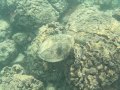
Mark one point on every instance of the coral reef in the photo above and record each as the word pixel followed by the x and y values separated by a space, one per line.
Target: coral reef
pixel 59 44
pixel 5 30
pixel 96 49
pixel 59 5
pixel 103 3
pixel 107 4
pixel 20 38
pixel 116 14
pixel 34 13
pixel 13 78
pixel 31 13
pixel 7 7
pixel 7 51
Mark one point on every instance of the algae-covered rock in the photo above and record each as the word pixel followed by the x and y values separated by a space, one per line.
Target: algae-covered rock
pixel 7 7
pixel 50 87
pixel 7 51
pixel 28 14
pixel 90 19
pixel 104 4
pixel 21 82
pixel 95 65
pixel 80 17
pixel 4 30
pixel 13 78
pixel 20 38
pixel 116 14
pixel 32 14
pixel 9 71
pixel 107 4
pixel 19 59
pixel 96 50
pixel 7 3
pixel 83 55
pixel 59 5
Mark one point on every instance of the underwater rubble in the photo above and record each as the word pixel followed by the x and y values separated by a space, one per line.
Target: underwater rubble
pixel 59 44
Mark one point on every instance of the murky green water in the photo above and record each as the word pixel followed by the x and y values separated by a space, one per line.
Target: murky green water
pixel 59 44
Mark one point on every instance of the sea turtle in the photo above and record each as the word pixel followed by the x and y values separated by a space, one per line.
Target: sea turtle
pixel 56 48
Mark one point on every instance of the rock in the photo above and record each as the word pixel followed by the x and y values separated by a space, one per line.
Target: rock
pixel 5 30
pixel 7 51
pixel 33 14
pixel 20 38
pixel 13 78
pixel 50 87
pixel 60 5
pixel 96 49
pixel 116 14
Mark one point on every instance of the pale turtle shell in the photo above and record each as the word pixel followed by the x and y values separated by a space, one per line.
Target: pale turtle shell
pixel 56 48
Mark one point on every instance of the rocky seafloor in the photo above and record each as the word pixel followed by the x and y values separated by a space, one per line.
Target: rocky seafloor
pixel 59 44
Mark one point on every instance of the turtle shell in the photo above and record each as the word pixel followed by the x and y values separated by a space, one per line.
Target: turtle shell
pixel 56 48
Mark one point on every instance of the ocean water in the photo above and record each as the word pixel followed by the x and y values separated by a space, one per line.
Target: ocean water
pixel 59 44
